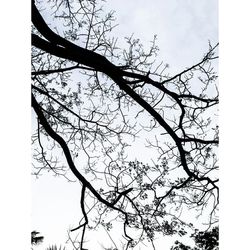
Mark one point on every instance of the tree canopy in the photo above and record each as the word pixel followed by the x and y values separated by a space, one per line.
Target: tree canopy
pixel 94 100
pixel 207 240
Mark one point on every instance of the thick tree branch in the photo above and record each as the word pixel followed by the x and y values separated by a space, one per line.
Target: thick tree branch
pixel 173 104
pixel 60 70
pixel 67 154
pixel 88 58
pixel 61 47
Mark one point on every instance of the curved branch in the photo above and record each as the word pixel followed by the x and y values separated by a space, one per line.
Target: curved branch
pixel 62 143
pixel 60 70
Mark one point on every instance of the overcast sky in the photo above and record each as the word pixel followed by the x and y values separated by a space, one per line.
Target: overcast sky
pixel 183 28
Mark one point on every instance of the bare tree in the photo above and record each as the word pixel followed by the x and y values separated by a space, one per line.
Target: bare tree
pixel 93 99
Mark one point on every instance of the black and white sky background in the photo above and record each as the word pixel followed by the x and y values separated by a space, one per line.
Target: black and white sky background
pixel 15 129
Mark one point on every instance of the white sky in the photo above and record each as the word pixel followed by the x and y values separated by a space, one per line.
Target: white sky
pixel 183 27
pixel 14 191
